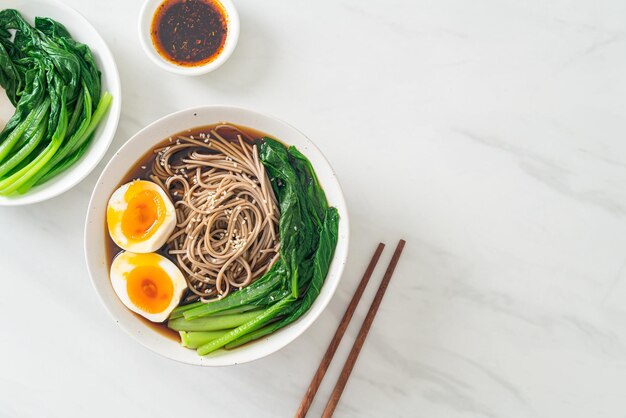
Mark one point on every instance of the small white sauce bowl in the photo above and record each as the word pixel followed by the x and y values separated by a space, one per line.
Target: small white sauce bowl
pixel 232 36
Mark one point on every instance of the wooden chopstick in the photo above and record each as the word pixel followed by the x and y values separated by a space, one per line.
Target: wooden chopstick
pixel 341 329
pixel 360 339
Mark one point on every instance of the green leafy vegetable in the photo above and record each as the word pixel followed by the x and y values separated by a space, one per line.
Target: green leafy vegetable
pixel 308 231
pixel 54 84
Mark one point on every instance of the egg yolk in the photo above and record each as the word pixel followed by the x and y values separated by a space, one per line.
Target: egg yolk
pixel 144 213
pixel 149 288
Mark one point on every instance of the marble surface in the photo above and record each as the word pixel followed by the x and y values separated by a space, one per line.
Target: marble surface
pixel 488 134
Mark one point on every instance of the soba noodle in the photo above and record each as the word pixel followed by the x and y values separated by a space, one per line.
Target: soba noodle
pixel 227 215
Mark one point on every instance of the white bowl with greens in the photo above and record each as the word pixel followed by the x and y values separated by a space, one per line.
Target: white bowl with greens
pixel 58 114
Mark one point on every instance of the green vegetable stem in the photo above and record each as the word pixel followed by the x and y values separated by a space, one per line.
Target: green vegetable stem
pixel 194 339
pixel 211 323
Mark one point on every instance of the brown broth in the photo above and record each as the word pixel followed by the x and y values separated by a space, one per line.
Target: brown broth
pixel 142 170
pixel 189 33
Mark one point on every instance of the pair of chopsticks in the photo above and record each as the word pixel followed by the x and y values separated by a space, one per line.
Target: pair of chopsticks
pixel 341 329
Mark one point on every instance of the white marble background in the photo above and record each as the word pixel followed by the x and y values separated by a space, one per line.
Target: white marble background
pixel 488 134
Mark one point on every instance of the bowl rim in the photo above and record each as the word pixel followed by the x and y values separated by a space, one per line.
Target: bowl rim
pixel 45 191
pixel 146 14
pixel 306 320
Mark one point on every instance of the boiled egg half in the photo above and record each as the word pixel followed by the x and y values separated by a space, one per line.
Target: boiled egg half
pixel 140 216
pixel 148 284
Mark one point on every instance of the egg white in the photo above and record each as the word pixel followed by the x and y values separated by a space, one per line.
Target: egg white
pixel 123 264
pixel 118 203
